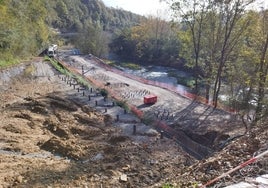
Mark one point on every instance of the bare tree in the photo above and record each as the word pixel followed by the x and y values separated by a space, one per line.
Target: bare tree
pixel 192 14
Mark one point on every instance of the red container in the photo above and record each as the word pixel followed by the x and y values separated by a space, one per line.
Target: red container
pixel 150 99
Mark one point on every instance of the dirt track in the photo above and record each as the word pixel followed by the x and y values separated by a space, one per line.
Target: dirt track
pixel 193 118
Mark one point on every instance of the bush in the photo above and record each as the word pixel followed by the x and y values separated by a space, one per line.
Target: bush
pixel 104 92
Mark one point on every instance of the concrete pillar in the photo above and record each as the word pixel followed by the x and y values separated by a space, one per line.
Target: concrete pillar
pixel 134 130
pixel 161 134
pixel 117 117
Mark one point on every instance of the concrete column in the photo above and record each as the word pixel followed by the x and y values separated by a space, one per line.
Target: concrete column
pixel 117 117
pixel 161 134
pixel 134 130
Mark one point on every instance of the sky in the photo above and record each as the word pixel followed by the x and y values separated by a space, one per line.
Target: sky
pixel 153 7
pixel 142 7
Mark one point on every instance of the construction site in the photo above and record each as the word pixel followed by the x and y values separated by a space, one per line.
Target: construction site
pixel 97 126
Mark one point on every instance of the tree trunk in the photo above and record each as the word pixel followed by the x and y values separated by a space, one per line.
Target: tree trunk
pixel 262 81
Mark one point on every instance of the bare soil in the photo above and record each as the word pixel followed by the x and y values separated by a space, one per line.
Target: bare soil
pixel 52 136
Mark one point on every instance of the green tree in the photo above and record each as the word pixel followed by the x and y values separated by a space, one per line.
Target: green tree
pixel 24 31
pixel 92 39
pixel 152 41
pixel 193 18
pixel 262 109
pixel 215 28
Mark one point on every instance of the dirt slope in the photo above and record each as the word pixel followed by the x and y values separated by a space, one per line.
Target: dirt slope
pixel 51 137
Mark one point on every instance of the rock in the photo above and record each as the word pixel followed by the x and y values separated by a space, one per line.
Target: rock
pixel 151 133
pixel 126 168
pixel 98 157
pixel 123 178
pixel 263 179
pixel 19 179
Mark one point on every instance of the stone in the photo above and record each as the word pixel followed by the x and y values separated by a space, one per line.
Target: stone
pixel 19 179
pixel 123 178
pixel 126 168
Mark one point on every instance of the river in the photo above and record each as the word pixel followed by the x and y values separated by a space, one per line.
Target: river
pixel 160 74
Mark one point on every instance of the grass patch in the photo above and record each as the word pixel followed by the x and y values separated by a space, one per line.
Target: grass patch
pixel 82 81
pixel 64 71
pixel 128 65
pixel 111 63
pixel 131 66
pixel 29 71
pixel 122 104
pixel 4 64
pixel 58 66
pixel 167 185
pixel 182 80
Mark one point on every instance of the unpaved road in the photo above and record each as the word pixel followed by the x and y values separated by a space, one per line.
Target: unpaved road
pixel 195 119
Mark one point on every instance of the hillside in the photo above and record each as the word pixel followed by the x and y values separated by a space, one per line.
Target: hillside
pixel 71 16
pixel 28 27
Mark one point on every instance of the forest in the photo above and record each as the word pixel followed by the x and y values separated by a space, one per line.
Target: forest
pixel 28 27
pixel 223 43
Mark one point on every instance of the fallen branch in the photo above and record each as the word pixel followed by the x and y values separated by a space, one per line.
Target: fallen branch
pixel 252 160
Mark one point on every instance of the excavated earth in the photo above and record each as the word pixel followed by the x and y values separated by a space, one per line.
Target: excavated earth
pixel 53 136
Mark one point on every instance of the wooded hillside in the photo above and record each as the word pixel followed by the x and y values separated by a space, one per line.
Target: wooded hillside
pixel 26 26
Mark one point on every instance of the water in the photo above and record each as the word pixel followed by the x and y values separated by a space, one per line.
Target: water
pixel 160 74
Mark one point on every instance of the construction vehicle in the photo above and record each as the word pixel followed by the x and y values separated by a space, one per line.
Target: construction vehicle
pixel 52 50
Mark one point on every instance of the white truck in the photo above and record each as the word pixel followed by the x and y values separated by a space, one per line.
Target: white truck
pixel 52 50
